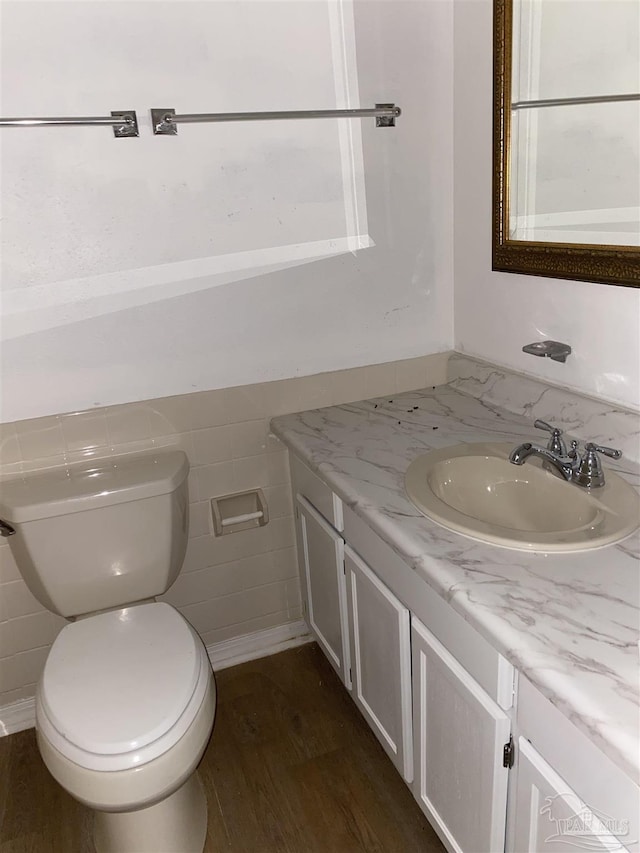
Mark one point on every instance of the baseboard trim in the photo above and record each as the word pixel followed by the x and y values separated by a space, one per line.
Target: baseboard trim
pixel 18 716
pixel 260 644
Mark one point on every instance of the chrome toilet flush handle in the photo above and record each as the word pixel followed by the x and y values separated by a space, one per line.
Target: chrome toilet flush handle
pixel 6 529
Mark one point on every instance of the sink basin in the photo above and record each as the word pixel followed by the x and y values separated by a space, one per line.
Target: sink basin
pixel 473 489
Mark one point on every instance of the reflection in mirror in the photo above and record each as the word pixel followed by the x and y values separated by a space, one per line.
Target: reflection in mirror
pixel 575 127
pixel 567 139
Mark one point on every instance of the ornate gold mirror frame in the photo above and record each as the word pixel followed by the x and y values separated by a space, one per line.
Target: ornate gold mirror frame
pixel 599 263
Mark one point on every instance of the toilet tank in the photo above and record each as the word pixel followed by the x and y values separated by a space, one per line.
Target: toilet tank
pixel 105 534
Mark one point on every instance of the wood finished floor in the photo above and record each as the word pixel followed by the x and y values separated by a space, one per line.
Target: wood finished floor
pixel 291 767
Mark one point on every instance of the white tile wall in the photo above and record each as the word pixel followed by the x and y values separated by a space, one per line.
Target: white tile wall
pixel 228 586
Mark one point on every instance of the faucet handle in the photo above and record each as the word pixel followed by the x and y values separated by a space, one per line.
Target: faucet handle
pixel 611 452
pixel 589 472
pixel 556 442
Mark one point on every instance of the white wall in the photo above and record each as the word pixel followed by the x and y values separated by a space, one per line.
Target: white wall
pixel 497 313
pixel 164 323
pixel 135 269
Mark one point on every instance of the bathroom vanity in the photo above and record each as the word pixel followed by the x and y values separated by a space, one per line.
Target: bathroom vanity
pixel 502 684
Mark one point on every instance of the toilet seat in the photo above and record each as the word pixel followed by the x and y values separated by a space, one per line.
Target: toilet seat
pixel 121 688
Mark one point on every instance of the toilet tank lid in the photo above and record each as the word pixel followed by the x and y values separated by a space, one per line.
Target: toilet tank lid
pixel 91 485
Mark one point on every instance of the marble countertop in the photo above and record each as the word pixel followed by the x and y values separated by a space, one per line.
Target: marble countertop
pixel 569 622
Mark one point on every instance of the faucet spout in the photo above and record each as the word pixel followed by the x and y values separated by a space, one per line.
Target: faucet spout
pixel 563 464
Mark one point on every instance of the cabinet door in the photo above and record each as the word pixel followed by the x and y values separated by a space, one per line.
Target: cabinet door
pixel 550 818
pixel 379 635
pixel 322 554
pixel 459 736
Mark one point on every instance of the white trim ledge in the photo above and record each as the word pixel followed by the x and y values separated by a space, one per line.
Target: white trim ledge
pixel 18 716
pixel 22 715
pixel 260 644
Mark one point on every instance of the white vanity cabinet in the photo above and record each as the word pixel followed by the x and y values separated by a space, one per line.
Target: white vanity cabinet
pixel 494 765
pixel 380 660
pixel 459 736
pixel 432 696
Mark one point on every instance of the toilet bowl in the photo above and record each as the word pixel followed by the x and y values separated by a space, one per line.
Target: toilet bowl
pixel 126 701
pixel 124 711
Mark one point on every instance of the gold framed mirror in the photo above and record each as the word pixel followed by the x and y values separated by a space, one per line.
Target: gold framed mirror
pixel 534 231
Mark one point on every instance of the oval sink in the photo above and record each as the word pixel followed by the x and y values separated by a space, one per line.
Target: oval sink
pixel 473 489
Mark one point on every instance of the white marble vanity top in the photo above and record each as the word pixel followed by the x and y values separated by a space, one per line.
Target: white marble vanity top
pixel 569 622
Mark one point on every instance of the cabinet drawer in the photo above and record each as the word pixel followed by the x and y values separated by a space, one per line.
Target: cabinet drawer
pixel 492 671
pixel 311 487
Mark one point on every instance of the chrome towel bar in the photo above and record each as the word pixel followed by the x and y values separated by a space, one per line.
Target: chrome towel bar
pixel 165 121
pixel 565 102
pixel 123 122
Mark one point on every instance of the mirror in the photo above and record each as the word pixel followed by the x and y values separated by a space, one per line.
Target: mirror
pixel 566 183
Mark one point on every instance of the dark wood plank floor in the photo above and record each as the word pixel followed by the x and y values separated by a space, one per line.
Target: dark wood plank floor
pixel 291 768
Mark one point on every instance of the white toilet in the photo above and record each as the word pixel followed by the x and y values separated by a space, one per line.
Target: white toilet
pixel 126 702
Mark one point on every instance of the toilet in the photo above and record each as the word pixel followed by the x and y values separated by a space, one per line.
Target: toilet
pixel 126 702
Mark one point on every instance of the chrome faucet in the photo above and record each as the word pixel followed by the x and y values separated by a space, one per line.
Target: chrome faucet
pixel 563 464
pixel 583 470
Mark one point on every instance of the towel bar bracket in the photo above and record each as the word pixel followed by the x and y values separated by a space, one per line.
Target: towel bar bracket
pixel 161 124
pixel 129 126
pixel 386 121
